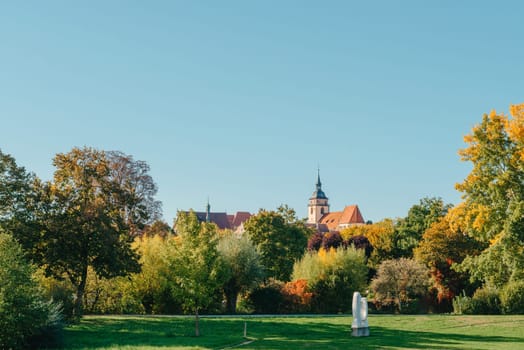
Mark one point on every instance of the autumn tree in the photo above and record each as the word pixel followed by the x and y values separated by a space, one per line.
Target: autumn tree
pixel 194 264
pixel 315 241
pixel 440 249
pixel 85 221
pixel 332 240
pixel 135 191
pixel 361 242
pixel 243 267
pixel 280 238
pixel 492 210
pixel 399 280
pixel 381 236
pixel 158 228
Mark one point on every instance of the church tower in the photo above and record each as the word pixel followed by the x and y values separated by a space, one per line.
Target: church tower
pixel 318 204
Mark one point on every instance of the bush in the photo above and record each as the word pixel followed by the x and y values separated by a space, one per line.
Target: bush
pixel 315 241
pixel 462 305
pixel 332 240
pixel 25 316
pixel 485 301
pixel 512 298
pixel 61 292
pixel 267 298
pixel 332 276
pixel 400 281
pixel 361 242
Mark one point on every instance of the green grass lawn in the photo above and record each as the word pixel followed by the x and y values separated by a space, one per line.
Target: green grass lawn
pixel 387 332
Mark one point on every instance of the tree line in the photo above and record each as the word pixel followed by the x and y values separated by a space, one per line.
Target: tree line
pixel 91 240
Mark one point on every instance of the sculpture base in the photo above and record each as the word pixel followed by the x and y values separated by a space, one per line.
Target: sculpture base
pixel 360 331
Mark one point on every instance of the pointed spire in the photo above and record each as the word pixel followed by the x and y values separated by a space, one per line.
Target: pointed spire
pixel 208 211
pixel 319 184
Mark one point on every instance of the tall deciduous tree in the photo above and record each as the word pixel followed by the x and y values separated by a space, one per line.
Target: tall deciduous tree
pixel 135 191
pixel 85 222
pixel 440 249
pixel 493 193
pixel 15 187
pixel 243 266
pixel 419 218
pixel 281 239
pixel 400 280
pixel 194 264
pixel 18 198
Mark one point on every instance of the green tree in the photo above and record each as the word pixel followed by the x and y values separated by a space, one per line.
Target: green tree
pixel 194 264
pixel 82 222
pixel 409 230
pixel 243 266
pixel 280 238
pixel 493 207
pixel 24 314
pixel 18 199
pixel 153 285
pixel 332 276
pixel 400 280
pixel 15 188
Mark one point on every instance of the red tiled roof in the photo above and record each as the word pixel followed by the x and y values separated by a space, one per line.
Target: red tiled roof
pixel 240 218
pixel 331 219
pixel 350 215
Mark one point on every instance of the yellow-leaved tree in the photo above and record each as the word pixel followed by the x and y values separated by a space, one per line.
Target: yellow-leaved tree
pixel 492 210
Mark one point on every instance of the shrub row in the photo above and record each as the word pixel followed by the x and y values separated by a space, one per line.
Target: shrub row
pixel 489 300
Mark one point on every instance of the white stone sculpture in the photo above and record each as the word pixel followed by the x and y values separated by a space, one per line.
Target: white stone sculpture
pixel 359 327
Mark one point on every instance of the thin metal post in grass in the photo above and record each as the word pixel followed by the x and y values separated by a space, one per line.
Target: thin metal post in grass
pixel 245 329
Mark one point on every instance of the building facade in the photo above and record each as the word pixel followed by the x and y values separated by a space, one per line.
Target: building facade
pixel 323 220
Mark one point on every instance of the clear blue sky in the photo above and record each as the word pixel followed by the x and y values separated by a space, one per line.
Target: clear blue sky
pixel 240 100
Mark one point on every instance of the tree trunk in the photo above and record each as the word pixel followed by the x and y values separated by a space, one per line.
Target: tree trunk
pixel 80 290
pixel 197 325
pixel 231 301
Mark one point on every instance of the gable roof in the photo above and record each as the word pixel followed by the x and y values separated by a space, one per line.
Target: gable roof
pixel 220 219
pixel 349 216
pixel 223 220
pixel 331 219
pixel 240 218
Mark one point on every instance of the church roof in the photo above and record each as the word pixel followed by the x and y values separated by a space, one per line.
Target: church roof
pixel 350 215
pixel 220 219
pixel 223 220
pixel 240 217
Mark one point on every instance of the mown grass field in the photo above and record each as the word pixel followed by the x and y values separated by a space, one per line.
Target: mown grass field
pixel 329 332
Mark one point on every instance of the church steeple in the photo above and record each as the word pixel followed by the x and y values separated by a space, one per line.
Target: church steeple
pixel 318 203
pixel 208 211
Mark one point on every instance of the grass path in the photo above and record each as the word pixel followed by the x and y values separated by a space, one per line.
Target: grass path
pixel 326 332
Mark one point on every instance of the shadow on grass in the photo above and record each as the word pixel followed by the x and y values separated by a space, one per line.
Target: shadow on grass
pixel 328 336
pixel 217 333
